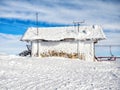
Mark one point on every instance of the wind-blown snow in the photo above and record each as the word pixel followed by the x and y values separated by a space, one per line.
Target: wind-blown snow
pixel 25 73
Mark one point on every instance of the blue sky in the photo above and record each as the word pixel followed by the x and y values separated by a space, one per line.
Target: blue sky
pixel 17 15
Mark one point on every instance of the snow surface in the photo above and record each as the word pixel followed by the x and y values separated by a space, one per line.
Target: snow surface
pixel 25 73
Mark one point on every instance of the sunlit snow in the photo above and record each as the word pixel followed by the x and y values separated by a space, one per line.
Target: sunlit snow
pixel 25 73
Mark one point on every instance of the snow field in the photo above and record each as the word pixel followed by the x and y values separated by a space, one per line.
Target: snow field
pixel 25 73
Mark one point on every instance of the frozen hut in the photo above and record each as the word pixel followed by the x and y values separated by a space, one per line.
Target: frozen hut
pixel 71 42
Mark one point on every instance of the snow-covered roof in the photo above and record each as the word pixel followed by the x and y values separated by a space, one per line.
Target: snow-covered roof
pixel 60 33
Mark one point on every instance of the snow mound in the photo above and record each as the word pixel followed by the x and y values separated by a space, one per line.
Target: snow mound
pixel 25 73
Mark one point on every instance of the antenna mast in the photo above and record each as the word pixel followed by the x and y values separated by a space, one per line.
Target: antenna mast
pixel 37 34
pixel 37 23
pixel 78 24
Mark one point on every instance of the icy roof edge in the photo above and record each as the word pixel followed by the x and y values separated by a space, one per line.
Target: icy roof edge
pixel 34 37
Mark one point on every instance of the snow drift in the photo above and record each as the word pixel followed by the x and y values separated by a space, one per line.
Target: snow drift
pixel 24 73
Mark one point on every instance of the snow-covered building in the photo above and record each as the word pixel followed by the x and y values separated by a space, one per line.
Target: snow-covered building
pixel 71 41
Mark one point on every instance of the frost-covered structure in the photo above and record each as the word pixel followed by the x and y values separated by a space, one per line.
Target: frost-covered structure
pixel 71 41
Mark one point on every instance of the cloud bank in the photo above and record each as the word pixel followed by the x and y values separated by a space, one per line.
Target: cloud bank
pixel 102 12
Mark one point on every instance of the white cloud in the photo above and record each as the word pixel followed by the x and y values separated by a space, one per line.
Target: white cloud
pixel 11 44
pixel 112 26
pixel 58 11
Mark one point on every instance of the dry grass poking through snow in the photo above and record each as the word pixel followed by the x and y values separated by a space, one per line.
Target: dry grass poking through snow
pixel 63 54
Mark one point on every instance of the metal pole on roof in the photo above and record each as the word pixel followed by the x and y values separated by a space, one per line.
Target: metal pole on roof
pixel 78 24
pixel 37 34
pixel 37 23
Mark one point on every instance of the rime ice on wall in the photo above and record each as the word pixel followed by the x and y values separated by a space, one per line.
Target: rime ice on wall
pixel 85 48
pixel 64 39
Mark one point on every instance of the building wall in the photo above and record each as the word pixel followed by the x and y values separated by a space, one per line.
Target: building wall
pixel 89 50
pixel 84 48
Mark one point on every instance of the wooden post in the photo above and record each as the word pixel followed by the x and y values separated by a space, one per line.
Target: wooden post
pixel 31 49
pixel 78 49
pixel 38 54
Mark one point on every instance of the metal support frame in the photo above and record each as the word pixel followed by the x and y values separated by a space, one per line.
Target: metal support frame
pixel 107 58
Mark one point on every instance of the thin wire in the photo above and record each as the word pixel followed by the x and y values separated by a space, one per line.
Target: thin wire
pixel 107 45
